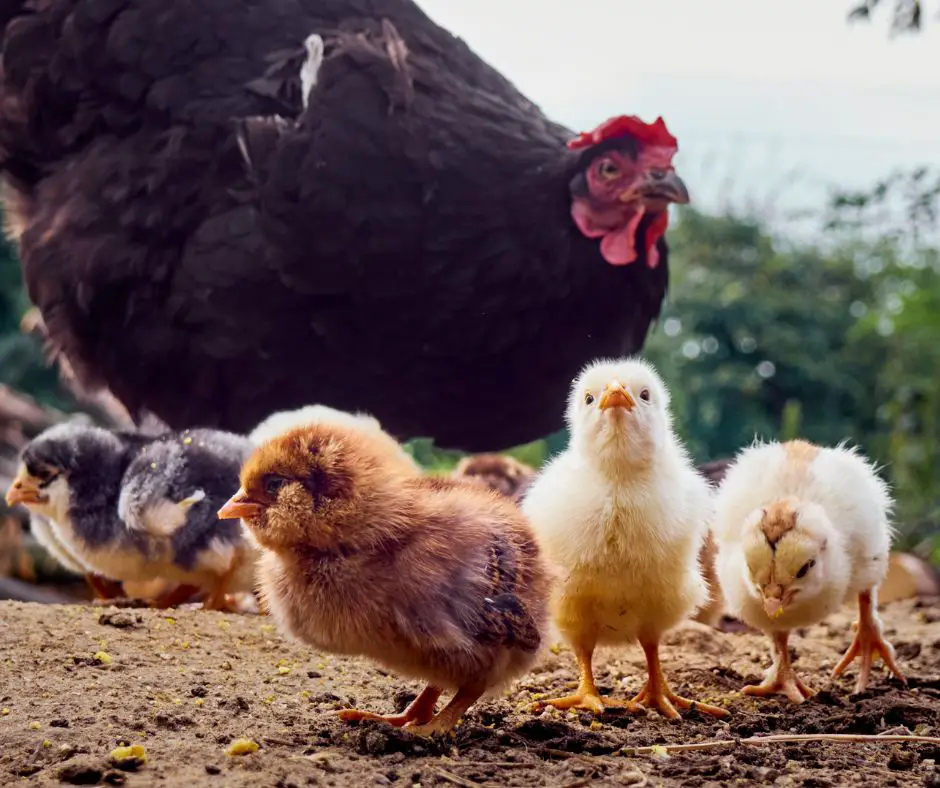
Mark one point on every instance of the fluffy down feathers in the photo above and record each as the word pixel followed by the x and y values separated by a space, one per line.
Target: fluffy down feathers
pixel 429 577
pixel 826 505
pixel 624 512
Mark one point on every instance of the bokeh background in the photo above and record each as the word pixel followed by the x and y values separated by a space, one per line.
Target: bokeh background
pixel 805 292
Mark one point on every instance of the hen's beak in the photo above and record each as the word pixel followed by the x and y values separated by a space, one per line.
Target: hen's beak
pixel 24 490
pixel 616 396
pixel 239 505
pixel 665 185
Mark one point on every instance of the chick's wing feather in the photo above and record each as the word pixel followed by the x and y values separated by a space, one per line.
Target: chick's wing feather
pixel 504 618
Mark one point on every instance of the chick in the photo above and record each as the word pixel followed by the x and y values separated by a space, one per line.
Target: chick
pixel 800 529
pixel 624 513
pixel 84 480
pixel 283 421
pixel 171 492
pixel 41 486
pixel 430 577
pixel 504 474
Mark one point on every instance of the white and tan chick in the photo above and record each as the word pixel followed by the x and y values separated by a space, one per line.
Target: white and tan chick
pixel 623 513
pixel 801 529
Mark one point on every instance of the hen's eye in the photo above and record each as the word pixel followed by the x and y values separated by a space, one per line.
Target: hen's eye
pixel 606 169
pixel 804 569
pixel 645 395
pixel 588 399
pixel 273 485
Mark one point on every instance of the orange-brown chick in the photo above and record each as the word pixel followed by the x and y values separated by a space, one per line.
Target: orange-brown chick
pixel 506 475
pixel 433 578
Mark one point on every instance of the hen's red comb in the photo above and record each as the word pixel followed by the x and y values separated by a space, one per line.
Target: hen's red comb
pixel 654 133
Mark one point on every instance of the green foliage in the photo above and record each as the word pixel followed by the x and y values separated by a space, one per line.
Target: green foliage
pixel 22 365
pixel 834 342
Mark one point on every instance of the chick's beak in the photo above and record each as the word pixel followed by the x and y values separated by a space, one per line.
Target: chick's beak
pixel 776 598
pixel 616 396
pixel 773 607
pixel 239 505
pixel 24 490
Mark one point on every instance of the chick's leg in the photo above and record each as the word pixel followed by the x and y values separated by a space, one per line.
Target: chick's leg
pixel 104 588
pixel 175 596
pixel 658 693
pixel 868 643
pixel 781 678
pixel 450 715
pixel 218 598
pixel 587 695
pixel 419 711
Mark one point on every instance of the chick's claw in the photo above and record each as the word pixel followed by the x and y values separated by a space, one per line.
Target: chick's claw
pixel 419 711
pixel 589 701
pixel 787 684
pixel 866 645
pixel 664 700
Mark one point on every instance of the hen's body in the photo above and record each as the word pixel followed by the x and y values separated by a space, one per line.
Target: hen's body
pixel 408 244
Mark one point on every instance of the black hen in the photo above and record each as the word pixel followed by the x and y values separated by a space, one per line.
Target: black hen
pixel 419 243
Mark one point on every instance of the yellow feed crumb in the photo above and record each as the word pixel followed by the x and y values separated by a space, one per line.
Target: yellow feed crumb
pixel 187 440
pixel 4 712
pixel 103 657
pixel 241 747
pixel 34 726
pixel 126 756
pixel 283 670
pixel 659 752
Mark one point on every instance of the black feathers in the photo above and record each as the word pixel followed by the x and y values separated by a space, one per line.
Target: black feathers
pixel 402 246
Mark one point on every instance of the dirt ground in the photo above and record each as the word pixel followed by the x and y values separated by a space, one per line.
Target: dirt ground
pixel 186 683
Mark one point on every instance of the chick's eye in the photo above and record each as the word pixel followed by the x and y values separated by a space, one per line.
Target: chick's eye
pixel 606 169
pixel 588 399
pixel 645 395
pixel 273 485
pixel 804 569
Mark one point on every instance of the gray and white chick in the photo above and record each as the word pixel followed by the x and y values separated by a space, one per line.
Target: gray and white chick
pixel 73 475
pixel 171 492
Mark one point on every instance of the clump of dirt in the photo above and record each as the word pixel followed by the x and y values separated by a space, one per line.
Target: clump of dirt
pixel 76 682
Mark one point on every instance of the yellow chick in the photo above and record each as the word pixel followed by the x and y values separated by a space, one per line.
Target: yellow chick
pixel 800 529
pixel 623 514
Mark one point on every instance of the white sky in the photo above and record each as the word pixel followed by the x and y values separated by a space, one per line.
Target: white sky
pixel 753 89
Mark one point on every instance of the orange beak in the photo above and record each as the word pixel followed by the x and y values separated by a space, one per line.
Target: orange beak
pixel 773 607
pixel 616 396
pixel 239 505
pixel 24 490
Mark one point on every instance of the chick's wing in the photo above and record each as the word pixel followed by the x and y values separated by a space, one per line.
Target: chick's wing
pixel 504 619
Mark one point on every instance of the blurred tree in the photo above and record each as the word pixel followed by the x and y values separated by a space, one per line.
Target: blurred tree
pixel 755 338
pixel 908 16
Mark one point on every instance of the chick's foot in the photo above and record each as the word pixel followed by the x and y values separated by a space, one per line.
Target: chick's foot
pixel 781 678
pixel 658 694
pixel 450 715
pixel 588 699
pixel 868 643
pixel 419 711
